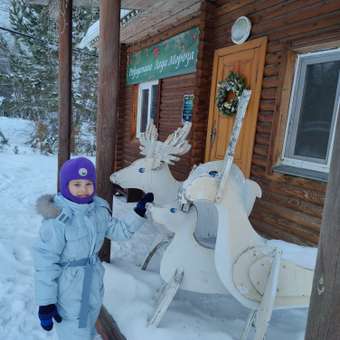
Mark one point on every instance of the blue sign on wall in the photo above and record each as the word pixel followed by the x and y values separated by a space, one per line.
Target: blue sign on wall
pixel 188 103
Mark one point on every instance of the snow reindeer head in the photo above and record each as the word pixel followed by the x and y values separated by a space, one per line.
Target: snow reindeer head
pixel 164 152
pixel 151 173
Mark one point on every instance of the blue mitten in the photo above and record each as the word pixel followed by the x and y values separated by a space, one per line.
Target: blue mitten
pixel 140 207
pixel 46 313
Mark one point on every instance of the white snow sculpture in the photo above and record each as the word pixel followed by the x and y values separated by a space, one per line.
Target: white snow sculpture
pixel 185 252
pixel 151 173
pixel 207 177
pixel 188 262
pixel 251 268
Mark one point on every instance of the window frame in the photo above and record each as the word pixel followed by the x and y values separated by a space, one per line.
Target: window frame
pixel 290 136
pixel 143 86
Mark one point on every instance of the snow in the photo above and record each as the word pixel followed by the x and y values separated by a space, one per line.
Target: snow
pixel 302 256
pixel 129 292
pixel 5 21
pixel 92 33
pixel 4 13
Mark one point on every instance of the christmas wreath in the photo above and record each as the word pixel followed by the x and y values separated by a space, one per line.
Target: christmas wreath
pixel 229 92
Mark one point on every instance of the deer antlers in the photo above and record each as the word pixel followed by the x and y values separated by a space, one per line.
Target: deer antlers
pixel 175 144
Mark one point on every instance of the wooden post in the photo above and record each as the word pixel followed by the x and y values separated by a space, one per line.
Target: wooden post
pixel 108 87
pixel 324 311
pixel 65 80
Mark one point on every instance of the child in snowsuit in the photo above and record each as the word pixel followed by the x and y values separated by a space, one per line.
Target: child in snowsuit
pixel 68 273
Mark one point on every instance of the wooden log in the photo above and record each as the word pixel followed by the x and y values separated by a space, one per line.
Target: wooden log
pixel 264 212
pixel 300 192
pixel 302 219
pixel 273 58
pixel 65 81
pixel 318 39
pixel 280 233
pixel 271 70
pixel 233 9
pixel 259 160
pixel 268 93
pixel 274 46
pixel 264 127
pixel 317 188
pixel 107 327
pixel 267 105
pixel 279 17
pixel 265 116
pixel 324 311
pixel 293 203
pixel 269 82
pixel 257 171
pixel 316 23
pixel 262 139
pixel 108 88
pixel 296 12
pixel 261 150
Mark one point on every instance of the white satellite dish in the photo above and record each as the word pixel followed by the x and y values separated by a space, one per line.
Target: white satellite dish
pixel 240 30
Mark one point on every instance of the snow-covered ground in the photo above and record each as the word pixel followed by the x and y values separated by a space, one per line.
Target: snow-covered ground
pixel 129 292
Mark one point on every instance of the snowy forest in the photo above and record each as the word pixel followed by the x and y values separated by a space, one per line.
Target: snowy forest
pixel 29 76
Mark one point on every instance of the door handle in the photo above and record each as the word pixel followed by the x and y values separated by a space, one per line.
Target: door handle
pixel 213 135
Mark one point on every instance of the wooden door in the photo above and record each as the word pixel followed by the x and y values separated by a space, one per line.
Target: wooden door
pixel 248 60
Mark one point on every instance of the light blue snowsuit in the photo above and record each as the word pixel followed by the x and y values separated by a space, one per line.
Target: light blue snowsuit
pixel 64 246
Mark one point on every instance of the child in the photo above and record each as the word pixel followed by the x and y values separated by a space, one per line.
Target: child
pixel 68 272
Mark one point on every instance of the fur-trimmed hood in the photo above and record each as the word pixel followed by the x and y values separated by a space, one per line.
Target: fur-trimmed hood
pixel 51 206
pixel 46 207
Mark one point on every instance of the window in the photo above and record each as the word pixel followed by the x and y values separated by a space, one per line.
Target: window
pixel 313 112
pixel 147 105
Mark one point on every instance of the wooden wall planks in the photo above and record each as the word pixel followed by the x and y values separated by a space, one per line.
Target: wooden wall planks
pixel 291 207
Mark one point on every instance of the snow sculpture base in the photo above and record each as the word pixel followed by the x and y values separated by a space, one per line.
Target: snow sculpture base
pixel 167 295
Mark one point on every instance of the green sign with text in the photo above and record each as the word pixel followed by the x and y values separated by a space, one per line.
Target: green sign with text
pixel 175 56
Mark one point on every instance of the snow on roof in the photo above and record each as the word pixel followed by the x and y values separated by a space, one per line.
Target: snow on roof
pixel 92 34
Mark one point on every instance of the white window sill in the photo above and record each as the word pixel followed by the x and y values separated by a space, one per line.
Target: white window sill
pixel 301 172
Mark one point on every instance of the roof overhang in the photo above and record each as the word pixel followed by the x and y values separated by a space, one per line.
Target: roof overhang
pixel 154 16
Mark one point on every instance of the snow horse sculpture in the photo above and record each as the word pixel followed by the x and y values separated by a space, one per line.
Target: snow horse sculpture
pixel 252 269
pixel 188 262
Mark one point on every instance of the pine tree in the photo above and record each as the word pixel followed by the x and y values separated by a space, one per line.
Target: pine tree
pixel 33 63
pixel 85 74
pixel 33 76
pixel 6 89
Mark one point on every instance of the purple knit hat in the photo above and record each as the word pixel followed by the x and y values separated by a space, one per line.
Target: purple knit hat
pixel 77 168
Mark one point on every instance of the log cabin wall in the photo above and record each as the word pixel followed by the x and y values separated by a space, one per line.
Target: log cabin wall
pixel 291 207
pixel 170 104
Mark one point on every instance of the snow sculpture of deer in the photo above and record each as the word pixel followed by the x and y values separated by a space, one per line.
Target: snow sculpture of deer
pixel 151 173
